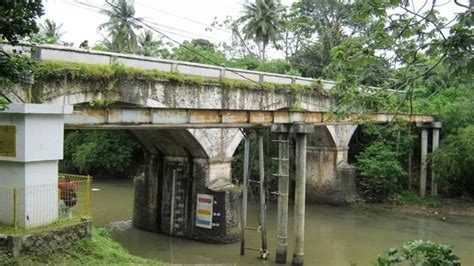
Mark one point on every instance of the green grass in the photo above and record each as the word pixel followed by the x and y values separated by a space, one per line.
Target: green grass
pixel 101 249
pixel 9 229
pixel 412 198
pixel 55 71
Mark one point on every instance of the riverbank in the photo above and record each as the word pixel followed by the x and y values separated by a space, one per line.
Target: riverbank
pixel 445 207
pixel 101 249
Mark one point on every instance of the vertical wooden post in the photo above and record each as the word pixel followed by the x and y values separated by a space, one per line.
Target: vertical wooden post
pixel 300 190
pixel 434 181
pixel 424 151
pixel 243 216
pixel 263 217
pixel 283 180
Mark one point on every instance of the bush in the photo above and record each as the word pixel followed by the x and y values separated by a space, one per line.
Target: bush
pixel 379 172
pixel 413 198
pixel 454 159
pixel 419 252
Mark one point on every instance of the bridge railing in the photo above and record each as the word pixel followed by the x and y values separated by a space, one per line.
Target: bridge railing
pixel 69 54
pixel 39 207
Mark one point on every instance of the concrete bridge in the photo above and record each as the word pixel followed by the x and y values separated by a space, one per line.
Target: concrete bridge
pixel 190 133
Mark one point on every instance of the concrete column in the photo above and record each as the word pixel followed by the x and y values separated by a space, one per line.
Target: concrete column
pixel 434 181
pixel 263 206
pixel 424 152
pixel 31 143
pixel 283 180
pixel 300 189
pixel 243 215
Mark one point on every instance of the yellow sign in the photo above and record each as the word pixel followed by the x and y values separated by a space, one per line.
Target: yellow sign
pixel 7 141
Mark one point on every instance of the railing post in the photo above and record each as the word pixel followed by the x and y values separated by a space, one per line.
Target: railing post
pixel 88 196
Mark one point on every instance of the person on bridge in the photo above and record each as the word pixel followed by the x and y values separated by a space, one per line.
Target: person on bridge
pixel 68 197
pixel 84 45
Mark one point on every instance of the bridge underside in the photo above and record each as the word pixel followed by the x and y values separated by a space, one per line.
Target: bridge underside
pixel 189 152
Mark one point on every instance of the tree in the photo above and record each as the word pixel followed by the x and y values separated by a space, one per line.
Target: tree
pixel 262 23
pixel 18 19
pixel 49 33
pixel 121 25
pixel 323 24
pixel 414 39
pixel 198 51
pixel 149 46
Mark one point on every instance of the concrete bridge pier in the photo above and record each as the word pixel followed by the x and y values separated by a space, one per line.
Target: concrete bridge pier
pixel 330 178
pixel 183 192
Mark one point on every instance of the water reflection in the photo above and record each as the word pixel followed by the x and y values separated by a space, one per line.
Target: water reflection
pixel 334 236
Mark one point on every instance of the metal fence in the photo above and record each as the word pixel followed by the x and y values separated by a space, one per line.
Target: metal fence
pixel 39 207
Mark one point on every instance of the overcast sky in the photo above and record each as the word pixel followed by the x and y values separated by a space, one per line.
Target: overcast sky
pixel 180 19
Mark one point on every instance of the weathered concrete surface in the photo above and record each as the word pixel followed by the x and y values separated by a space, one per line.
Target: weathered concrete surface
pixel 173 95
pixel 49 241
pixel 330 179
pixel 155 210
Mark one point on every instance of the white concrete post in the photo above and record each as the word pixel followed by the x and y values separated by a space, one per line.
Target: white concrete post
pixel 300 190
pixel 31 137
pixel 434 181
pixel 283 184
pixel 424 152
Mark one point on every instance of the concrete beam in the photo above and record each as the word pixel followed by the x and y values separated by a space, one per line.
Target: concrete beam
pixel 144 117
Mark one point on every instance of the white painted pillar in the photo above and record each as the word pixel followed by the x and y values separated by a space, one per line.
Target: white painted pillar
pixel 300 193
pixel 31 143
pixel 424 152
pixel 434 181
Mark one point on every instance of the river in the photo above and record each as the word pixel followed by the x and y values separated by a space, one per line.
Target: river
pixel 333 235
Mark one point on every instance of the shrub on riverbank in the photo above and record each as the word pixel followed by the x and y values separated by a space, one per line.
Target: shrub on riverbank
pixel 413 198
pixel 99 250
pixel 419 252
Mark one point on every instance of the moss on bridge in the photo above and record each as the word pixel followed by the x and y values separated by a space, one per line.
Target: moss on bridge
pixel 55 70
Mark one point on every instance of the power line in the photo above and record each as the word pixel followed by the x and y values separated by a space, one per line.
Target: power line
pixel 187 19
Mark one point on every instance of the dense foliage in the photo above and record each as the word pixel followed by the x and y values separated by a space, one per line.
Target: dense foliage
pixel 18 19
pixel 380 172
pixel 419 252
pixel 454 161
pixel 101 152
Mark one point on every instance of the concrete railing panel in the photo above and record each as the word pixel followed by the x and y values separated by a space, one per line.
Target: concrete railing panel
pixel 278 79
pixel 198 71
pixel 242 75
pixel 72 56
pixel 145 64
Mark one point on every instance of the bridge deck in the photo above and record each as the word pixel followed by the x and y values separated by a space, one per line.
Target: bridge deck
pixel 144 117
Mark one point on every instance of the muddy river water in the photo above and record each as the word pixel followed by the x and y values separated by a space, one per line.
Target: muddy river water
pixel 333 236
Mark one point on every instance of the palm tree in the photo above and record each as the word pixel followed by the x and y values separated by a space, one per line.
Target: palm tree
pixel 121 25
pixel 49 33
pixel 148 45
pixel 262 22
